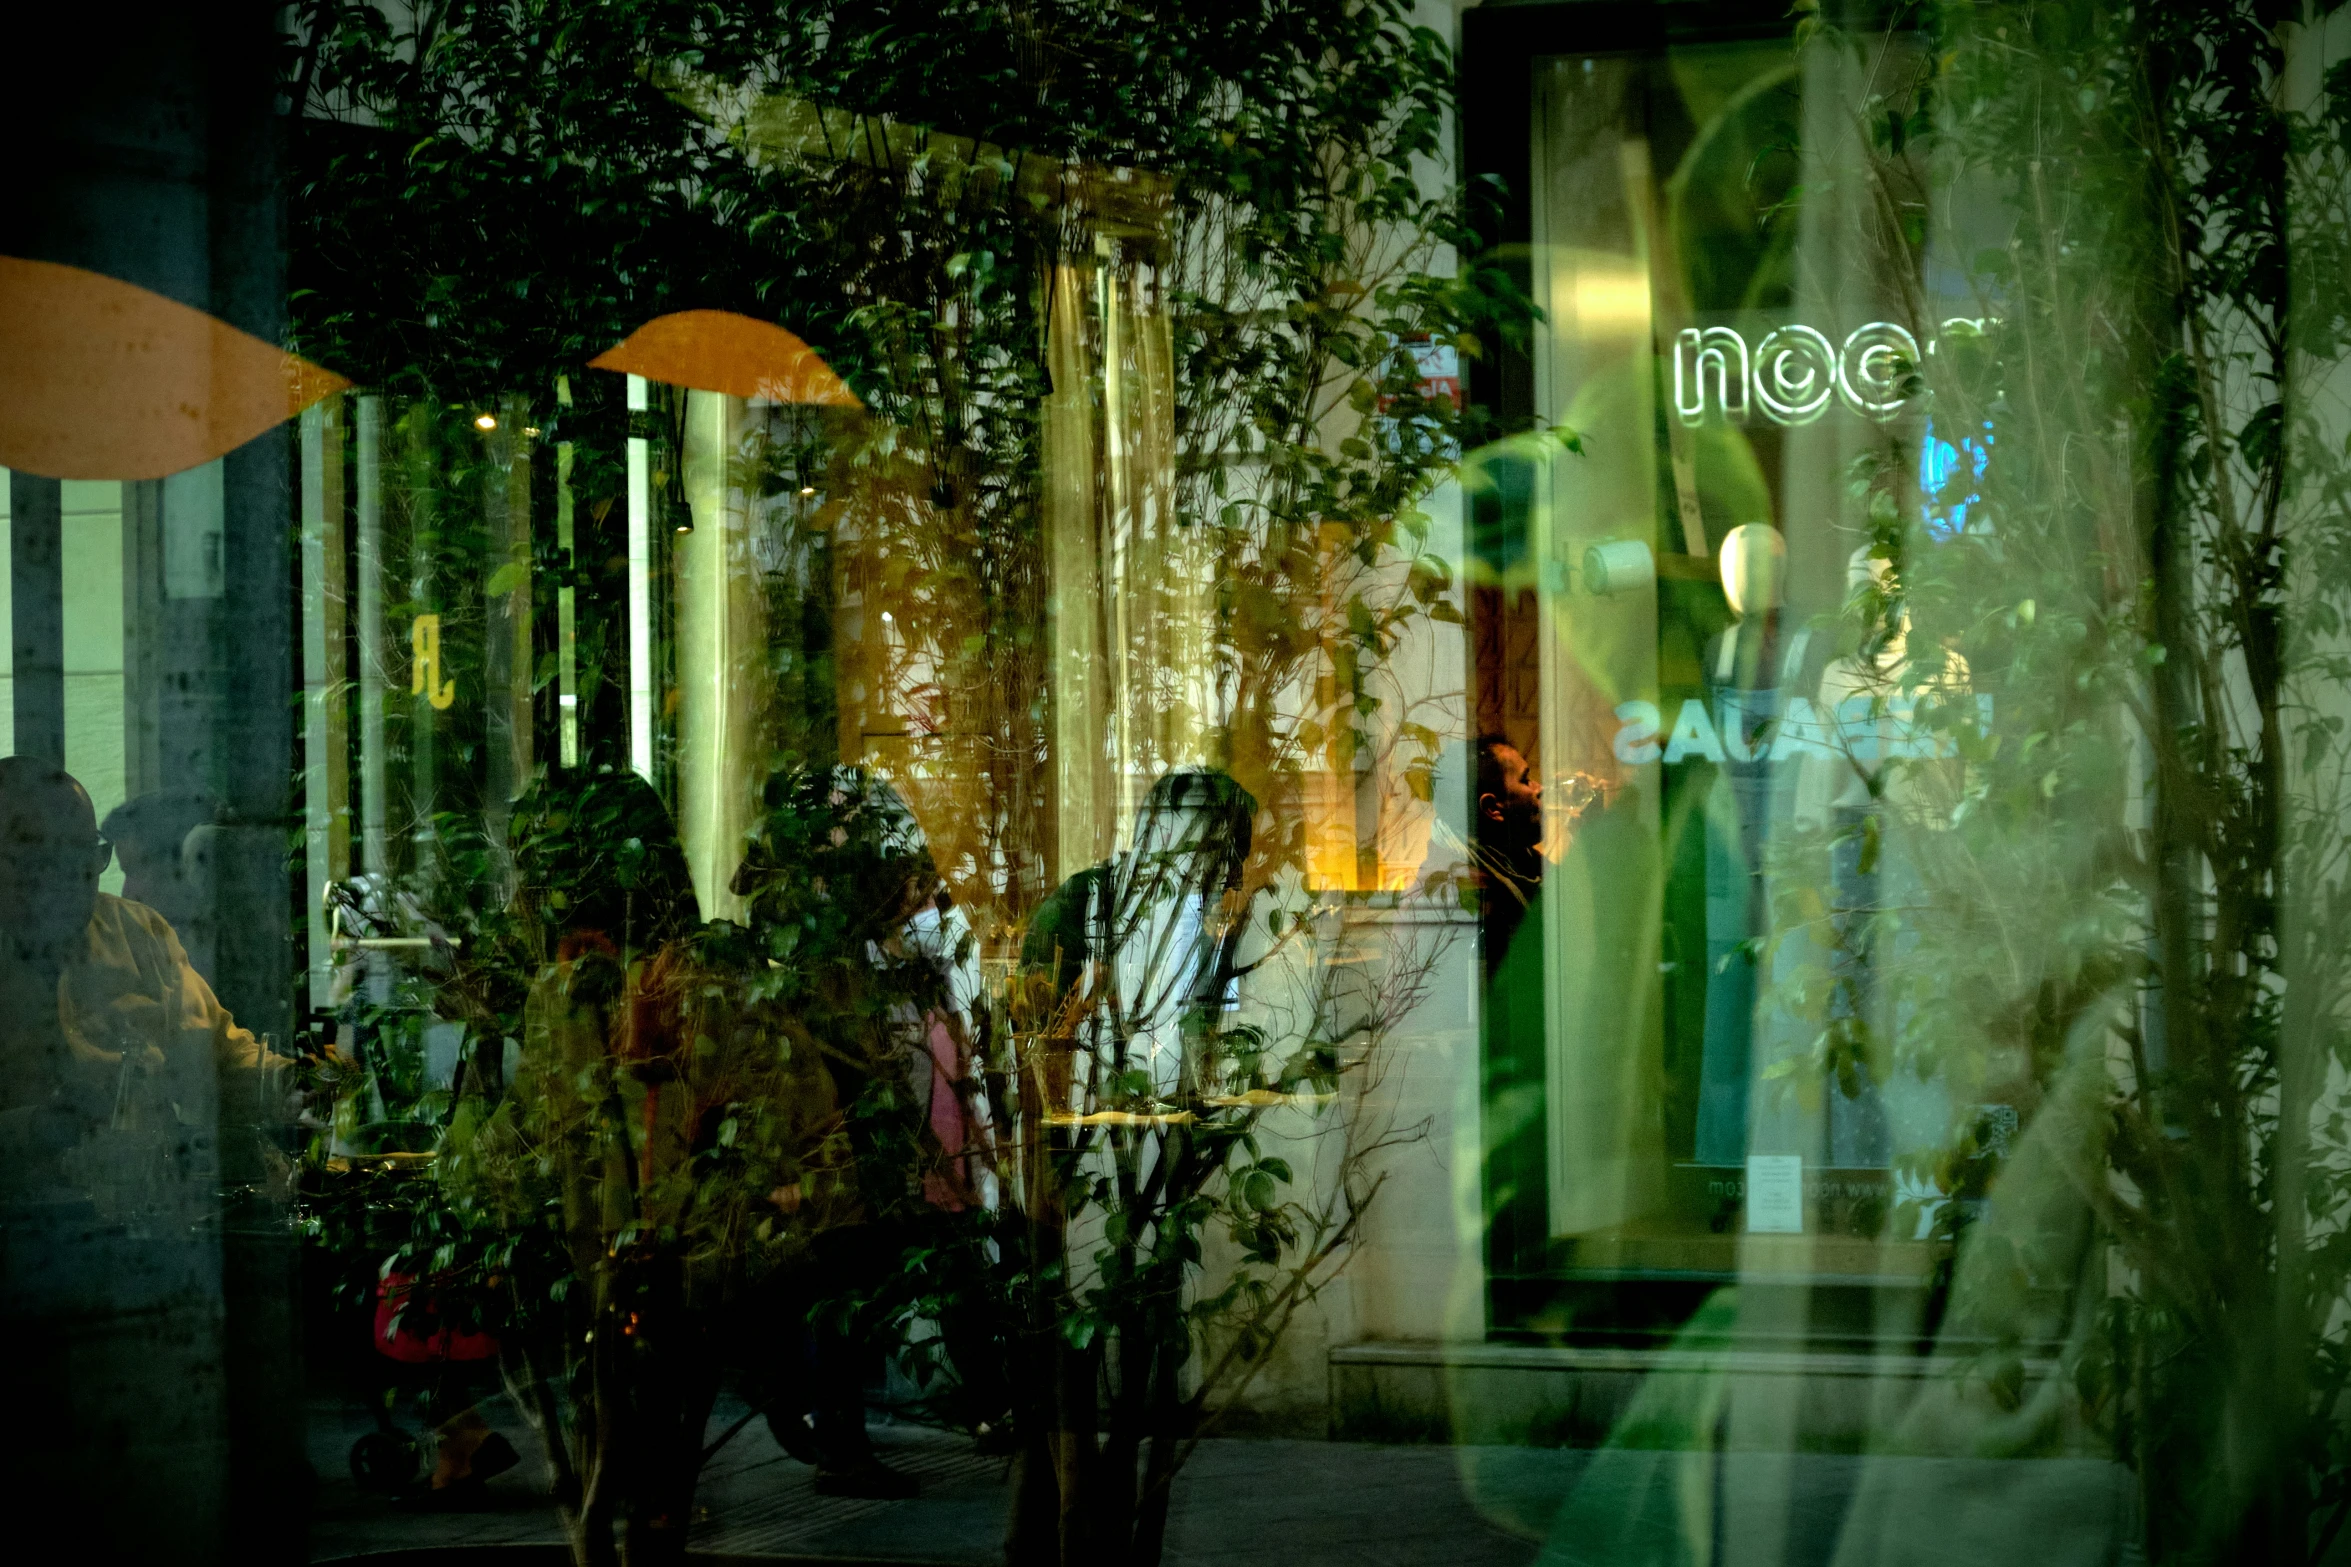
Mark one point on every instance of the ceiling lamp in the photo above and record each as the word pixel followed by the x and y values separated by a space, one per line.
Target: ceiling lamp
pixel 720 351
pixel 107 380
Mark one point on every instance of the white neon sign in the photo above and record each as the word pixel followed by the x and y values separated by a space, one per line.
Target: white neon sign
pixel 1861 728
pixel 1795 375
pixel 1795 372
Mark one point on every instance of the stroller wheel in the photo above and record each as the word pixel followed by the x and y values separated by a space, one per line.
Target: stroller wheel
pixel 382 1462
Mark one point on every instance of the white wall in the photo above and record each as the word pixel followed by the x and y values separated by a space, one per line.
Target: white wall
pixel 92 567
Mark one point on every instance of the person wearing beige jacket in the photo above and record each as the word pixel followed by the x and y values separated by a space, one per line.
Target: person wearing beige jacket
pixel 117 1062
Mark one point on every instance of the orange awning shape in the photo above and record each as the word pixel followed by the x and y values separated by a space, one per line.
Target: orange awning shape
pixel 101 379
pixel 720 351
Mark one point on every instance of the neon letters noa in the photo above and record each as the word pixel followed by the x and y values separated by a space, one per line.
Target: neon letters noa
pixel 1794 373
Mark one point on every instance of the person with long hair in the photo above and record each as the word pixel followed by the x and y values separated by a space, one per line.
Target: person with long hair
pixel 677 1141
pixel 862 961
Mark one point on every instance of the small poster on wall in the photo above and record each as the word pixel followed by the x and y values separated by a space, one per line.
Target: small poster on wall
pixel 1775 1194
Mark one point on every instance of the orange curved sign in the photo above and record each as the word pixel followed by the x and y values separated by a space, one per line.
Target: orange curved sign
pixel 720 351
pixel 102 379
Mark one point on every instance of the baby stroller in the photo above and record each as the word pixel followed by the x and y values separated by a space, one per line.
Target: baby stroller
pixel 395 1061
pixel 431 1361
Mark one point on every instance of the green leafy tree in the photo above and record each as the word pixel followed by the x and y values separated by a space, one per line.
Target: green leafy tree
pixel 492 194
pixel 1138 1136
pixel 2123 900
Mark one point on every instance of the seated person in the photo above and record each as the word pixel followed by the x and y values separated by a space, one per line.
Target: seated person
pixel 112 1048
pixel 160 840
pixel 148 834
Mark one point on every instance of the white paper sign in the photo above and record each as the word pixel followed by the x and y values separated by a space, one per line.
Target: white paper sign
pixel 1775 1194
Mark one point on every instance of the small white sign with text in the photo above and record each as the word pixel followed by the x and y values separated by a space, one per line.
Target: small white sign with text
pixel 1775 1194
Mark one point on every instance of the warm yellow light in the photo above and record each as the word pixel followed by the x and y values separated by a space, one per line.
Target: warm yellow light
pixel 485 422
pixel 807 489
pixel 1605 298
pixel 530 429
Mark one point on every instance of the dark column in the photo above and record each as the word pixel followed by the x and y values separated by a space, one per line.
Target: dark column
pixel 252 768
pixel 36 589
pixel 166 1396
pixel 258 897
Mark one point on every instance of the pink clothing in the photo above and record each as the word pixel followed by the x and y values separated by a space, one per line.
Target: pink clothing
pixel 949 1186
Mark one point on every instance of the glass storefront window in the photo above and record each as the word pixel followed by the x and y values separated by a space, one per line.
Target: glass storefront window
pixel 1663 599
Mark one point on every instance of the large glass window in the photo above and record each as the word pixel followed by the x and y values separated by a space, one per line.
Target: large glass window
pixel 1660 605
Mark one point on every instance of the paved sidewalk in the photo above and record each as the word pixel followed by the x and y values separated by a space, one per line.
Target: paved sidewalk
pixel 1337 1504
pixel 1285 1502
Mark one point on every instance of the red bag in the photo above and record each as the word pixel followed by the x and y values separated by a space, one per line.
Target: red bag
pixel 420 1339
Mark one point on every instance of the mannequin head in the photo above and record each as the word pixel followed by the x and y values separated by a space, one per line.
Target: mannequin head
pixel 1754 568
pixel 1864 569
